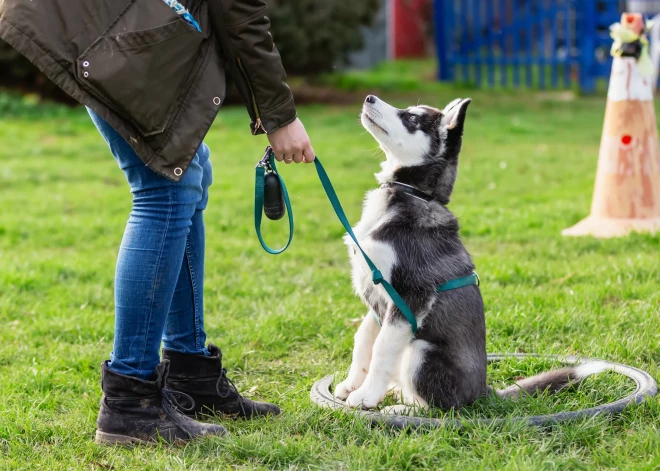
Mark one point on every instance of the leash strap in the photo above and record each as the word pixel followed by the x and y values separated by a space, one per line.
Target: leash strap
pixel 376 275
pixel 268 164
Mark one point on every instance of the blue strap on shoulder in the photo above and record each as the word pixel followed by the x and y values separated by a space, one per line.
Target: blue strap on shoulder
pixel 183 13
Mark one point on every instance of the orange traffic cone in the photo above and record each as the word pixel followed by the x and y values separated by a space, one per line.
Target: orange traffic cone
pixel 627 190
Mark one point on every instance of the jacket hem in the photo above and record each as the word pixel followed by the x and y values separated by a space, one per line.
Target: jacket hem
pixel 58 74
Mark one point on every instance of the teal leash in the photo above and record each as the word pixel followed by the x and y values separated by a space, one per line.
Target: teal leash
pixel 376 275
pixel 267 165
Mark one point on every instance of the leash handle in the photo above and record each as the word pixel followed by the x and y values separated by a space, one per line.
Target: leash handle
pixel 267 164
pixel 376 275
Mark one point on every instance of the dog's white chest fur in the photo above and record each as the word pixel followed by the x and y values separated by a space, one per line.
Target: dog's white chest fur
pixel 374 215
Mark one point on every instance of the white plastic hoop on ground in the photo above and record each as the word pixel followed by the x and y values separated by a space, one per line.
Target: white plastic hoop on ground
pixel 321 395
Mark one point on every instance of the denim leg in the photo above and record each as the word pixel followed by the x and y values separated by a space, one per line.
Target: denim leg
pixel 184 328
pixel 151 255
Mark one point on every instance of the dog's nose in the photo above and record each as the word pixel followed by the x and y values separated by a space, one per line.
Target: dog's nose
pixel 371 99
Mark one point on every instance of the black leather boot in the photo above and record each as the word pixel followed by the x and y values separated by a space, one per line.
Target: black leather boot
pixel 205 380
pixel 138 411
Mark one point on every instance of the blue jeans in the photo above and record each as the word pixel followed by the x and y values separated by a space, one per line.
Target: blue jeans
pixel 159 279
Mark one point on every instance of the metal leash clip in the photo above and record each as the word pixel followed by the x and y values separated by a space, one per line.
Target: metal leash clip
pixel 265 160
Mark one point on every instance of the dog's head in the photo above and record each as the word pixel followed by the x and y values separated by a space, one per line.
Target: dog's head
pixel 421 143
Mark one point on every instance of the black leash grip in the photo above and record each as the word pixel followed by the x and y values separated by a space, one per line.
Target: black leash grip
pixel 274 207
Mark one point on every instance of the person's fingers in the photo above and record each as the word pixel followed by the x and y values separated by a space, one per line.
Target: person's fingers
pixel 309 153
pixel 291 144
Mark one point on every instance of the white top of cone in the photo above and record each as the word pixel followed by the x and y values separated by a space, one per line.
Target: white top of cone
pixel 626 83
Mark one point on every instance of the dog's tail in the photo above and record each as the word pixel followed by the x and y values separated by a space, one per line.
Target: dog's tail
pixel 553 380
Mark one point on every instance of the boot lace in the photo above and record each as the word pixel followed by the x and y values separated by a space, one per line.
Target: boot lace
pixel 178 400
pixel 229 389
pixel 173 404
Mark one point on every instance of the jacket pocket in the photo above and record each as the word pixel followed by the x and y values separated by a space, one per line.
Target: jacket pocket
pixel 141 73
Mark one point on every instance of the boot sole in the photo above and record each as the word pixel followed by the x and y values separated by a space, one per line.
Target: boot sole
pixel 113 439
pixel 103 438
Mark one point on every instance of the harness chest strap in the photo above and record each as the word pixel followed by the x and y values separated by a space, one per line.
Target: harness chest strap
pixel 456 283
pixel 268 164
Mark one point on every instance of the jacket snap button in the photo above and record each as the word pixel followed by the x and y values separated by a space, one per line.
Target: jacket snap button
pixel 86 64
pixel 178 171
pixel 86 74
pixel 217 101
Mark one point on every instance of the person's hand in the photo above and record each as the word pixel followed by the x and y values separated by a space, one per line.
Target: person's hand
pixel 291 144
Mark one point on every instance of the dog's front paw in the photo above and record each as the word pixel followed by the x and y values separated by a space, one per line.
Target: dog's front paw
pixel 364 397
pixel 344 388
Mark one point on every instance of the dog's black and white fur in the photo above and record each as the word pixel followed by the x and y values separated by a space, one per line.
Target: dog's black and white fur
pixel 415 243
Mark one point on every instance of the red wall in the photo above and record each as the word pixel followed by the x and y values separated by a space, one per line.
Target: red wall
pixel 408 20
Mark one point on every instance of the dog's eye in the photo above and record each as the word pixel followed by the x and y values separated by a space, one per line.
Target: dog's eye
pixel 413 118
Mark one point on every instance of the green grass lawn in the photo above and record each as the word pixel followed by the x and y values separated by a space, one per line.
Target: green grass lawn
pixel 283 322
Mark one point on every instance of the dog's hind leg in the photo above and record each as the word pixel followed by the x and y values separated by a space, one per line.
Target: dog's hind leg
pixel 449 383
pixel 389 345
pixel 364 342
pixel 410 365
pixel 394 388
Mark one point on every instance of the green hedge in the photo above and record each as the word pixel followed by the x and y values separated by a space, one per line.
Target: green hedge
pixel 315 36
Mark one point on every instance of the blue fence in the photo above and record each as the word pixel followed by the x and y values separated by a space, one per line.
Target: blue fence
pixel 533 43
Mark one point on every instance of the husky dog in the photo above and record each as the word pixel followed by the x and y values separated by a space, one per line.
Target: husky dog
pixel 411 236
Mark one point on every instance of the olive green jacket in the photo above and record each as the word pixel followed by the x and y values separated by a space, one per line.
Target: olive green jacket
pixel 153 77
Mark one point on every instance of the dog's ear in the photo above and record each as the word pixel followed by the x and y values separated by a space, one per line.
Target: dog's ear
pixel 453 118
pixel 454 114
